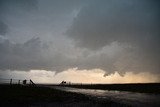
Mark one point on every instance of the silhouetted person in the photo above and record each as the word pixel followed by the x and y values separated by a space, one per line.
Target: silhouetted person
pixel 24 82
pixel 10 81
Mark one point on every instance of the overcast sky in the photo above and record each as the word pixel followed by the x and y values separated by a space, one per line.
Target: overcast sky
pixel 56 35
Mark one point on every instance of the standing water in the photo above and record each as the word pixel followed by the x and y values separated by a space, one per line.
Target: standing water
pixel 124 97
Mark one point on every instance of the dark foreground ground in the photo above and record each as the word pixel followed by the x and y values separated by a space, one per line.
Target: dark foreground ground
pixel 28 96
pixel 140 88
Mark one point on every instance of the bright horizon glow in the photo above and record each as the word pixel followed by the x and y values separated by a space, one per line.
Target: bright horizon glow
pixel 94 76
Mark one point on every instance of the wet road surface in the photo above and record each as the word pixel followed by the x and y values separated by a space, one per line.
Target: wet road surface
pixel 124 97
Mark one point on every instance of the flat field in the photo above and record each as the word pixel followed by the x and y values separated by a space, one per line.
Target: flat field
pixel 29 96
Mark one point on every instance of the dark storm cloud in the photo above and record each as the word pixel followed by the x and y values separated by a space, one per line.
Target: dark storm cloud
pixel 132 22
pixel 111 35
pixel 32 54
pixel 20 56
pixel 27 19
pixel 103 22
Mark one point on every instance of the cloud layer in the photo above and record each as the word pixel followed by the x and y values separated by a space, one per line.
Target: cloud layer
pixel 130 22
pixel 103 22
pixel 120 36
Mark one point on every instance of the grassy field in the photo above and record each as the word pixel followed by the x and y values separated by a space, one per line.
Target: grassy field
pixel 141 87
pixel 28 96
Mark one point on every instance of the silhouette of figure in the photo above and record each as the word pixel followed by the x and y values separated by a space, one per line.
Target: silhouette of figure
pixel 24 82
pixel 10 81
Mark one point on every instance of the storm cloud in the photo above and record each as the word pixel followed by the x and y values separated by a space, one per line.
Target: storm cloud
pixel 103 22
pixel 131 22
pixel 57 35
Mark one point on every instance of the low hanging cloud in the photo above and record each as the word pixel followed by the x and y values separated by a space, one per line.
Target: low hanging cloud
pixel 130 22
pixel 20 56
pixel 31 55
pixel 120 36
pixel 36 55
